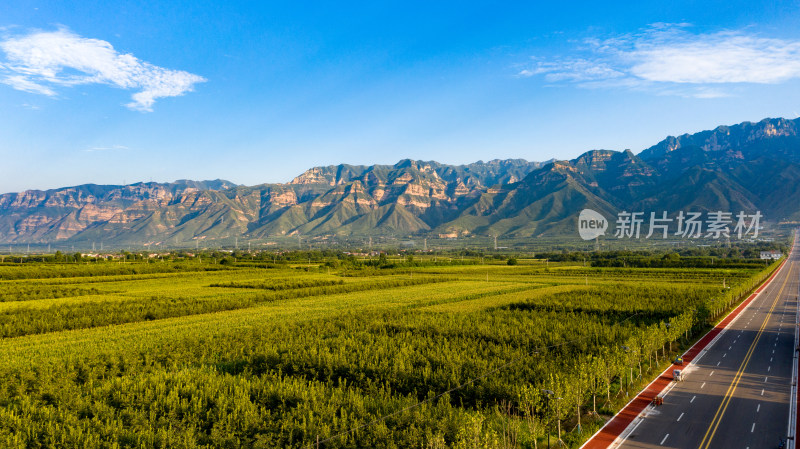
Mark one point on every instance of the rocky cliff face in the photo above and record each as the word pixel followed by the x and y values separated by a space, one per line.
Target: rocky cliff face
pixel 344 199
pixel 63 213
pixel 736 143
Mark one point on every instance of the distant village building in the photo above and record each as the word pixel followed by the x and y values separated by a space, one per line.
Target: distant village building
pixel 771 255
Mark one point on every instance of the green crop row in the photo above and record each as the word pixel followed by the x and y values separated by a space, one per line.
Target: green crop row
pixel 281 284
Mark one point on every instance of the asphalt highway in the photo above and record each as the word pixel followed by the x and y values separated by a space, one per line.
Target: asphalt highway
pixel 737 394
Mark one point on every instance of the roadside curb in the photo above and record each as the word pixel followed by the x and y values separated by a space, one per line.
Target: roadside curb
pixel 794 402
pixel 610 434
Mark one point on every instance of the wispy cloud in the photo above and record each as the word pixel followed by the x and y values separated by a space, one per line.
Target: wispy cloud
pixel 40 61
pixel 111 148
pixel 21 82
pixel 670 59
pixel 575 70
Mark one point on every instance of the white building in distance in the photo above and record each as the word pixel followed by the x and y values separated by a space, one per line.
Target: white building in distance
pixel 771 255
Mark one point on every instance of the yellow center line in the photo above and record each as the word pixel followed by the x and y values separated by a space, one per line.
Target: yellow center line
pixel 712 428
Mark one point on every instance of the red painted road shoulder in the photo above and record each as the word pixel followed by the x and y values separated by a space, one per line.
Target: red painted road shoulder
pixel 604 437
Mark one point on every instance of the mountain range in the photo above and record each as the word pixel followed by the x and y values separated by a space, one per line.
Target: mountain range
pixel 747 167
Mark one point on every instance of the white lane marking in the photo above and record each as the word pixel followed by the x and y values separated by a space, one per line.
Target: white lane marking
pixel 770 360
pixel 717 363
pixel 762 392
pixel 765 379
pixel 665 439
pixel 758 409
pixel 723 355
pixel 679 418
pixel 729 348
pixel 711 374
pixel 692 400
pixel 753 428
pixel 704 384
pixel 769 368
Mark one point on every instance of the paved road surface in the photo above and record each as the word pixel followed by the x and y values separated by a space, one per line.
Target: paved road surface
pixel 737 395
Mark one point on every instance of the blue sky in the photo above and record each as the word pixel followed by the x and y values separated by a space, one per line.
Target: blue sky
pixel 109 92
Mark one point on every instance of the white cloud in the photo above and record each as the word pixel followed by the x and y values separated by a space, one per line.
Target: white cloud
pixel 719 58
pixel 41 61
pixel 668 58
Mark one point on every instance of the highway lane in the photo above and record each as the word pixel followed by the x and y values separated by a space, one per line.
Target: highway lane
pixel 737 394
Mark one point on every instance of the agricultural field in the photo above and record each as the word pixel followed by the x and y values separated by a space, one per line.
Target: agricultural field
pixel 451 354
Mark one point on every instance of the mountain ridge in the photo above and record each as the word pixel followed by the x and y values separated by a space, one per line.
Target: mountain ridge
pixel 749 166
